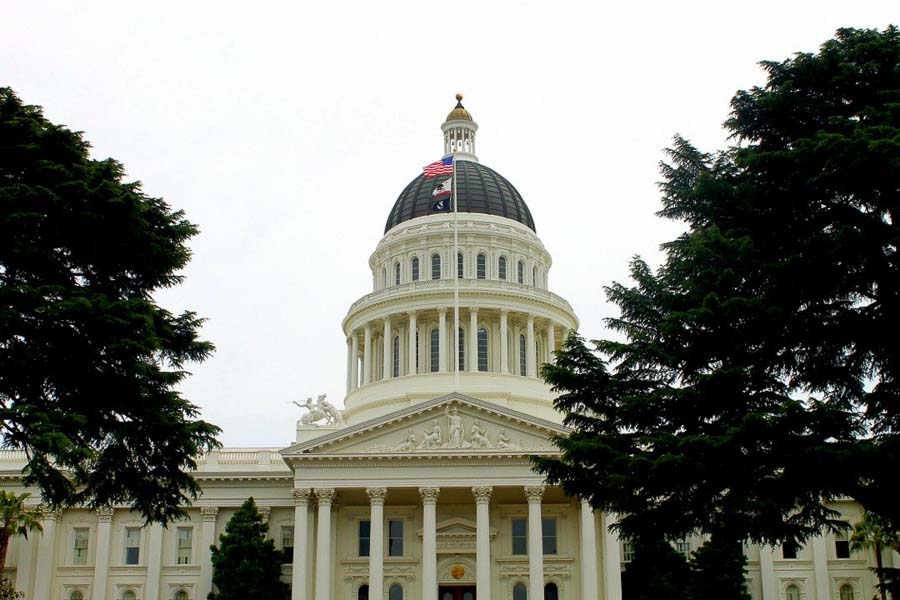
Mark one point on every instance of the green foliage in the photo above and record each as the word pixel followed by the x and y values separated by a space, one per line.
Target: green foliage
pixel 656 571
pixel 718 570
pixel 15 519
pixel 246 565
pixel 8 592
pixel 873 533
pixel 756 373
pixel 88 361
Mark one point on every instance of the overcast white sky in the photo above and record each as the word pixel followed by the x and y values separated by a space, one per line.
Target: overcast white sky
pixel 286 130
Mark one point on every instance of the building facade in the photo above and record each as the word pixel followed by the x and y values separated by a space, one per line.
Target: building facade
pixel 421 486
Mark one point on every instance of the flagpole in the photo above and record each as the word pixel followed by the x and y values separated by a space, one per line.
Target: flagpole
pixel 456 274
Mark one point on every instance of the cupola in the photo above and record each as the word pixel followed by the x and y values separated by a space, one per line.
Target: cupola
pixel 459 133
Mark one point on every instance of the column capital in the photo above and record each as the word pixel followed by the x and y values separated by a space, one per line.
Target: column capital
pixel 482 494
pixel 387 319
pixel 473 309
pixel 412 313
pixel 429 494
pixel 376 495
pixel 301 496
pixel 534 493
pixel 504 311
pixel 325 496
pixel 209 513
pixel 530 319
pixel 49 514
pixel 442 310
pixel 367 326
pixel 105 514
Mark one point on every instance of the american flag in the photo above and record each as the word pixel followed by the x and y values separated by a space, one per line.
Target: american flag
pixel 440 167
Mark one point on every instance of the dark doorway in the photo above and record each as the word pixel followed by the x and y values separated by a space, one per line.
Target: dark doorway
pixel 456 592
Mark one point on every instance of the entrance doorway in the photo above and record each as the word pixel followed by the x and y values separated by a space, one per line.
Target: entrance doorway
pixel 456 592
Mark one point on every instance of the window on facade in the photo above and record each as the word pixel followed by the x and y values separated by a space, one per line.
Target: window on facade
pixel 396 368
pixel 185 537
pixel 395 538
pixel 132 546
pixel 395 592
pixel 365 534
pixel 551 592
pixel 459 266
pixel 76 595
pixel 384 278
pixel 846 592
pixel 789 550
pixel 363 593
pixel 841 546
pixel 534 280
pixel 417 350
pixel 468 596
pixel 520 272
pixel 520 592
pixel 397 274
pixel 482 349
pixel 792 592
pixel 435 266
pixel 181 595
pixel 287 543
pixel 520 536
pixel 523 362
pixel 548 535
pixel 683 546
pixel 435 350
pixel 80 549
pixel 414 267
pixel 129 595
pixel 481 267
pixel 501 267
pixel 462 350
pixel 627 552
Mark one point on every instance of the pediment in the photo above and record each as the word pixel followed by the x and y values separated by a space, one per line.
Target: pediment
pixel 451 424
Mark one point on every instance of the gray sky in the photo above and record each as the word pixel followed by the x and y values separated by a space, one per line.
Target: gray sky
pixel 286 130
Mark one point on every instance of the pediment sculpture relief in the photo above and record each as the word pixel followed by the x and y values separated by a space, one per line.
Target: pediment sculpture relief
pixel 478 436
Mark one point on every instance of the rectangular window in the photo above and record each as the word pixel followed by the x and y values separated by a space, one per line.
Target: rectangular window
pixel 548 535
pixel 459 266
pixel 395 538
pixel 683 546
pixel 185 537
pixel 287 543
pixel 789 550
pixel 841 546
pixel 627 552
pixel 365 532
pixel 132 546
pixel 79 556
pixel 519 536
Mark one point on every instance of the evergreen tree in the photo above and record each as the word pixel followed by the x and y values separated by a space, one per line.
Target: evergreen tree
pixel 246 565
pixel 655 571
pixel 89 363
pixel 757 375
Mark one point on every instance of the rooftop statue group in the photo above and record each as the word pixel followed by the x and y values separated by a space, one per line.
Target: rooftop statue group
pixel 321 410
pixel 432 438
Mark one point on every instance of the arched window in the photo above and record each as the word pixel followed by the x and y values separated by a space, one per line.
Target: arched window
pixel 395 592
pixel 846 592
pixel 501 267
pixel 482 349
pixel 435 266
pixel 181 595
pixel 362 593
pixel 129 595
pixel 523 363
pixel 397 274
pixel 435 350
pixel 520 272
pixel 76 595
pixel 481 267
pixel 551 592
pixel 396 357
pixel 462 349
pixel 792 592
pixel 414 267
pixel 520 592
pixel 459 265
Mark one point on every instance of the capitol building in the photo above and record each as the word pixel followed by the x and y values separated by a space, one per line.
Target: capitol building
pixel 420 487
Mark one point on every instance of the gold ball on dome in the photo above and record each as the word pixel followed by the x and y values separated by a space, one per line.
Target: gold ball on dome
pixel 459 97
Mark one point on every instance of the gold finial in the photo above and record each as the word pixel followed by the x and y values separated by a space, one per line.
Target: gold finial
pixel 459 97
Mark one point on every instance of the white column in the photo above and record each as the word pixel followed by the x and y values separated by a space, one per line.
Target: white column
pixel 767 573
pixel 473 339
pixel 208 515
pixel 101 557
pixel 376 542
pixel 588 551
pixel 530 354
pixel 387 349
pixel 504 341
pixel 367 354
pixel 612 560
pixel 442 339
pixel 411 347
pixel 429 542
pixel 23 565
pixel 323 544
pixel 354 364
pixel 349 364
pixel 154 561
pixel 298 562
pixel 551 342
pixel 482 542
pixel 820 568
pixel 44 568
pixel 535 543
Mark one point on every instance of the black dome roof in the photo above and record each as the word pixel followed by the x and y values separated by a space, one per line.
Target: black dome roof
pixel 479 189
